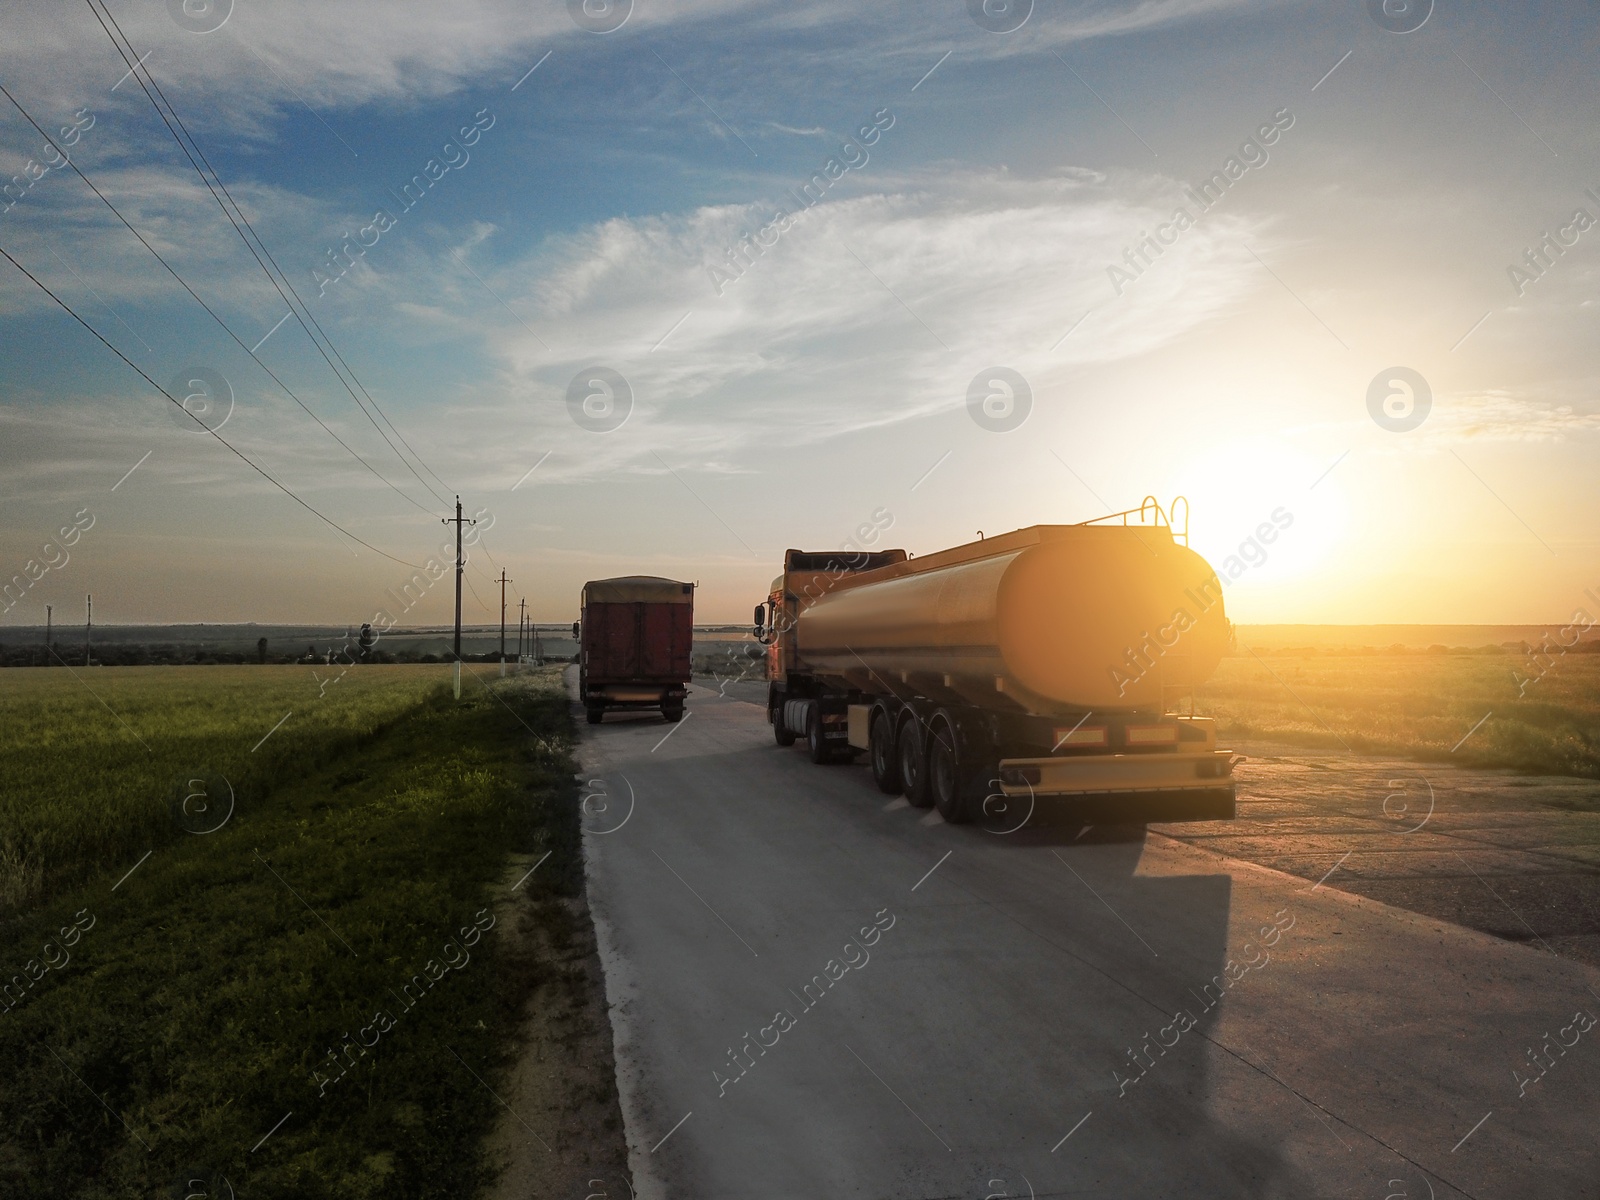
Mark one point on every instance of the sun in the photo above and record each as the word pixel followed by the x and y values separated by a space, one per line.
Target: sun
pixel 1266 509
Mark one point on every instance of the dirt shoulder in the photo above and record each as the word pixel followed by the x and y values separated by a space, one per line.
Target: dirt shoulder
pixel 560 1132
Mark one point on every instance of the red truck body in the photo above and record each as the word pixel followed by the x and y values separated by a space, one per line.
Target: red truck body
pixel 635 636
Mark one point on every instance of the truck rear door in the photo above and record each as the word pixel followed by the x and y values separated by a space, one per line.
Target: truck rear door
pixel 613 641
pixel 664 633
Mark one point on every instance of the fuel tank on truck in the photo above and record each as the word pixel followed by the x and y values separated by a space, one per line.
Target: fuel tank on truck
pixel 1053 618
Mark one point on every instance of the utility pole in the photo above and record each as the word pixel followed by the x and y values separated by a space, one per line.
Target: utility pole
pixel 503 582
pixel 88 626
pixel 458 521
pixel 47 635
pixel 522 616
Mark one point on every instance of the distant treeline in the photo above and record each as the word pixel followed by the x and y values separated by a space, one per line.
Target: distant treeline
pixel 1592 646
pixel 135 654
pixel 710 657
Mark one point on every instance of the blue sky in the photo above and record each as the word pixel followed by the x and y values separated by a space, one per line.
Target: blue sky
pixel 831 379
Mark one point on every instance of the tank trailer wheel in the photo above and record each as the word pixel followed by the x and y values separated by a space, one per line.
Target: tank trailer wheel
pixel 816 743
pixel 881 747
pixel 957 770
pixel 781 733
pixel 913 762
pixel 945 773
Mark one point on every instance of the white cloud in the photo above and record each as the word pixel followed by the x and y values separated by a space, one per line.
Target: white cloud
pixel 871 311
pixel 268 57
pixel 816 131
pixel 1499 416
pixel 1110 17
pixel 875 310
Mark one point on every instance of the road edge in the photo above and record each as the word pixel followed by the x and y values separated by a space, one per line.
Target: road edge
pixel 621 991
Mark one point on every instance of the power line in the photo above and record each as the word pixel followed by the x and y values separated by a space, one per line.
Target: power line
pixel 214 316
pixel 239 453
pixel 134 66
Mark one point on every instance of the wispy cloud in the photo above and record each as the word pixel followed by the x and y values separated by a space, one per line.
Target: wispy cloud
pixel 816 131
pixel 872 311
pixel 268 59
pixel 1498 416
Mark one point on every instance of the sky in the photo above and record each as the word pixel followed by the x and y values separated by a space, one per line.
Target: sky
pixel 561 257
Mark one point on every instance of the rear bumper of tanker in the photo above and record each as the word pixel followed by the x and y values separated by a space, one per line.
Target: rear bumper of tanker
pixel 1126 787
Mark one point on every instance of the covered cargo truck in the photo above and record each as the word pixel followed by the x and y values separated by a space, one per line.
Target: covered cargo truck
pixel 1037 666
pixel 634 638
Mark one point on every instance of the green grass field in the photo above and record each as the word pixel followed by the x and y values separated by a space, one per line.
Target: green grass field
pixel 94 758
pixel 1420 705
pixel 322 954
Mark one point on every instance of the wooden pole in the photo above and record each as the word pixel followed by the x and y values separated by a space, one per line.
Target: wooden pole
pixel 458 521
pixel 503 582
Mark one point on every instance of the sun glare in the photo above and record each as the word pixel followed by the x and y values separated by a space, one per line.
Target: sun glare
pixel 1258 512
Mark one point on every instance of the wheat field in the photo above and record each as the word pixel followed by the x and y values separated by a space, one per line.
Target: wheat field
pixel 95 759
pixel 1426 705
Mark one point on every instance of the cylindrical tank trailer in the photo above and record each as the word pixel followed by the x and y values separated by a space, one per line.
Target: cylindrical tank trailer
pixel 1033 665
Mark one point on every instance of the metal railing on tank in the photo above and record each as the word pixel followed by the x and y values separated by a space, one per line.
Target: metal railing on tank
pixel 1151 513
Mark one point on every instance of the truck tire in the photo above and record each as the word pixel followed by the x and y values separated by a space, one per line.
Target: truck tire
pixel 816 742
pixel 672 711
pixel 595 713
pixel 946 772
pixel 913 761
pixel 881 748
pixel 781 733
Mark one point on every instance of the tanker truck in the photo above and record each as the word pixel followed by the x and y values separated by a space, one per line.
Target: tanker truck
pixel 1036 668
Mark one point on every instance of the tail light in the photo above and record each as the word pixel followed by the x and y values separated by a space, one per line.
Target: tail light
pixel 1152 735
pixel 1079 735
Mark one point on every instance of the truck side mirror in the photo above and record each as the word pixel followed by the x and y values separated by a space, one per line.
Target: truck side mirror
pixel 760 620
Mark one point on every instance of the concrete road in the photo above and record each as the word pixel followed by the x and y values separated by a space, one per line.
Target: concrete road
pixel 817 991
pixel 1509 854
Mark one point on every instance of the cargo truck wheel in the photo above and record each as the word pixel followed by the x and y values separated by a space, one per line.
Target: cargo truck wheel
pixel 946 771
pixel 881 747
pixel 913 762
pixel 673 711
pixel 816 742
pixel 596 712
